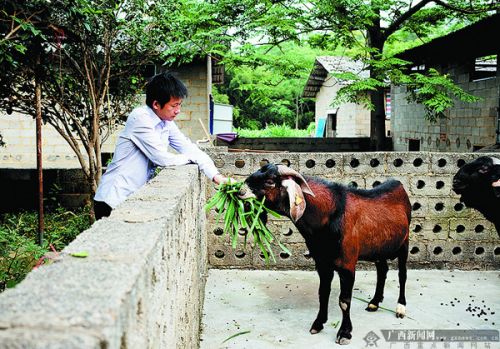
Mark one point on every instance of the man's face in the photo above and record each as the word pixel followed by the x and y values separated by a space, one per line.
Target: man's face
pixel 169 110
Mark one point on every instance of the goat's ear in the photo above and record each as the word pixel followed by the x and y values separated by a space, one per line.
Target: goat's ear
pixel 496 188
pixel 295 197
pixel 287 171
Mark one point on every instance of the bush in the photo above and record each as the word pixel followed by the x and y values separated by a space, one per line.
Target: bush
pixel 19 252
pixel 276 131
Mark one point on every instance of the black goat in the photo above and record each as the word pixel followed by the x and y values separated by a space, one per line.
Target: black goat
pixel 340 226
pixel 478 183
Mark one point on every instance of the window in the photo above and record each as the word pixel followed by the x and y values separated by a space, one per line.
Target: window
pixel 484 68
pixel 418 68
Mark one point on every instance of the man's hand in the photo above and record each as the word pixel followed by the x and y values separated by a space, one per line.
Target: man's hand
pixel 219 179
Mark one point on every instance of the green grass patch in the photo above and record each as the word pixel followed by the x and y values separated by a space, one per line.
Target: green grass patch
pixel 19 252
pixel 276 131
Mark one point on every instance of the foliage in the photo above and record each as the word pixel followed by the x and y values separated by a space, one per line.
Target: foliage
pixel 17 25
pixel 18 250
pixel 276 131
pixel 365 30
pixel 89 57
pixel 264 92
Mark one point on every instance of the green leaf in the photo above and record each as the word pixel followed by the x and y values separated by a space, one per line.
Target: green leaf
pixel 81 254
pixel 235 335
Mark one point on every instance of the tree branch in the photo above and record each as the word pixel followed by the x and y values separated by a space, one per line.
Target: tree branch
pixel 404 17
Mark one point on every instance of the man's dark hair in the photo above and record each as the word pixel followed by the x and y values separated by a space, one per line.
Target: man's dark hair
pixel 162 87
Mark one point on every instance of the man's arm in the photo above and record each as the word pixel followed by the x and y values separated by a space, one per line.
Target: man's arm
pixel 148 140
pixel 183 145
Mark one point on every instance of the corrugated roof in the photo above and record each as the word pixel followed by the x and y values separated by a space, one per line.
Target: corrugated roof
pixel 477 40
pixel 324 65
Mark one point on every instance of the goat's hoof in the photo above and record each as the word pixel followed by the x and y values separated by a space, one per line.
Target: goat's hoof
pixel 343 337
pixel 371 307
pixel 343 341
pixel 316 327
pixel 400 311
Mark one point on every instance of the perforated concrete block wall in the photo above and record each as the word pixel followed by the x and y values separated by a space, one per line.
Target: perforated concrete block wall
pixel 444 233
pixel 141 285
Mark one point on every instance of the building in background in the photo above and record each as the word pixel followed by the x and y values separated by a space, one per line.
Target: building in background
pixel 346 120
pixel 470 57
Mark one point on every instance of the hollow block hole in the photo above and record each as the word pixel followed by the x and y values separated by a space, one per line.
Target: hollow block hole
pixel 330 163
pixel 398 162
pixel 310 163
pixel 479 250
pixel 418 162
pixel 239 163
pixel 442 162
pixel 414 250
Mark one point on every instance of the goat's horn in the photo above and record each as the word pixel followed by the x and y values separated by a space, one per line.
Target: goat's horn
pixel 287 171
pixel 495 161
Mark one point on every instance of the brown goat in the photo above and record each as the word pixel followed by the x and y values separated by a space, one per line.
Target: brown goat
pixel 340 226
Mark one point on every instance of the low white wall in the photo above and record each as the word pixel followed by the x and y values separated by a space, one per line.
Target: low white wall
pixel 141 286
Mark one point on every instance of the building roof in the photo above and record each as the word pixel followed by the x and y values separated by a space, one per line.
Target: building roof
pixel 324 65
pixel 477 40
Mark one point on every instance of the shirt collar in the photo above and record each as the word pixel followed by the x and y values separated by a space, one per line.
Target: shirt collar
pixel 158 122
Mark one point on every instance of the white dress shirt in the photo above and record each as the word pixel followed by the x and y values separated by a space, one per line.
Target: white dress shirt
pixel 142 145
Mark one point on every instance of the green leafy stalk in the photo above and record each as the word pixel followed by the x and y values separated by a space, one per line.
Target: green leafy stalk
pixel 245 214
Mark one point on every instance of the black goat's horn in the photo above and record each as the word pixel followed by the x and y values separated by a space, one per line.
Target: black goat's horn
pixel 287 171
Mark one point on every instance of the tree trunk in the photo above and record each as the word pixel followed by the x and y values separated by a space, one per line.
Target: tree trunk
pixel 378 119
pixel 375 41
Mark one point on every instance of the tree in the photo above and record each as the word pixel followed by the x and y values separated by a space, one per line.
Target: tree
pixel 92 60
pixel 265 93
pixel 366 26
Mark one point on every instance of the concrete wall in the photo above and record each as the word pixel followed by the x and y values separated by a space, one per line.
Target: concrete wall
pixel 141 285
pixel 467 125
pixel 444 233
pixel 198 79
pixel 352 120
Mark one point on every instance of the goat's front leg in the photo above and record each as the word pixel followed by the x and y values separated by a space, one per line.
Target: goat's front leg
pixel 346 283
pixel 325 285
pixel 382 269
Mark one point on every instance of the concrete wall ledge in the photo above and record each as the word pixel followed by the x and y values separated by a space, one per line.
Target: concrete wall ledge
pixel 141 285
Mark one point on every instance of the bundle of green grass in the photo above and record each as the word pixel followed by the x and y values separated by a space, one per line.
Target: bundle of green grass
pixel 244 214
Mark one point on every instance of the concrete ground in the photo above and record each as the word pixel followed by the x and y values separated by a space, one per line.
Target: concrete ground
pixel 275 309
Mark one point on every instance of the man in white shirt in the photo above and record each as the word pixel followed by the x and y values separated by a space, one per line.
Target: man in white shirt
pixel 144 142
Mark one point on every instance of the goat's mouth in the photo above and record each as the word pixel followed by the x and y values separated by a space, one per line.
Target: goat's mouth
pixel 246 192
pixel 458 187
